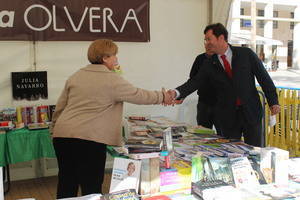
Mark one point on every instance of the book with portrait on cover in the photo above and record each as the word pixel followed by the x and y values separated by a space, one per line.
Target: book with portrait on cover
pixel 125 174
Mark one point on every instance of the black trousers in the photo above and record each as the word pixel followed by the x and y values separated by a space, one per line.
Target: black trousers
pixel 251 132
pixel 80 163
pixel 206 116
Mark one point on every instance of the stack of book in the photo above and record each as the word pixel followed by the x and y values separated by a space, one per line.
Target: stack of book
pixel 177 179
pixel 36 116
pixel 140 148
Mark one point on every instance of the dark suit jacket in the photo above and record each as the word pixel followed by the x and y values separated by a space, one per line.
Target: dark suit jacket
pixel 207 94
pixel 245 67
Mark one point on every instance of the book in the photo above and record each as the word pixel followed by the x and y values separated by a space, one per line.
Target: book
pixel 202 188
pixel 220 169
pixel 51 109
pixel 201 130
pixel 145 182
pixel 243 173
pixel 132 150
pixel 255 163
pixel 274 165
pixel 132 142
pixel 139 156
pixel 154 175
pixel 167 139
pixel 177 178
pixel 150 180
pixel 121 195
pixel 197 168
pixel 160 197
pixel 125 174
pixel 42 112
pixel 294 172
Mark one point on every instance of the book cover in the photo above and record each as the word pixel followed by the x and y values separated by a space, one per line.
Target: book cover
pixel 274 165
pixel 125 174
pixel 160 197
pixel 221 169
pixel 51 109
pixel 121 195
pixel 145 177
pixel 154 175
pixel 197 168
pixel 243 173
pixel 143 143
pixel 139 156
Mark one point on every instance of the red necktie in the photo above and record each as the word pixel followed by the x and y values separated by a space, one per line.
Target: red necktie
pixel 227 66
pixel 229 74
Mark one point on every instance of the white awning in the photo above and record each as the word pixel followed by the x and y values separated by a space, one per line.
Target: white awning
pixel 244 37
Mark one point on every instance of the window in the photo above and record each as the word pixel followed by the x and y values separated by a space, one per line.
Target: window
pixel 260 13
pixel 260 23
pixel 292 24
pixel 241 22
pixel 275 24
pixel 245 23
pixel 275 13
pixel 242 11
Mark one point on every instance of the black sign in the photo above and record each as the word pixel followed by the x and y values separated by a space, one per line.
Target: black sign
pixel 29 85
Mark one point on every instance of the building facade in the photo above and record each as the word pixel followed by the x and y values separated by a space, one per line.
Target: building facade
pixel 276 24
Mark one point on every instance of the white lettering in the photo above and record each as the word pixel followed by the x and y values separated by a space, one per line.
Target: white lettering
pixel 91 20
pixel 108 16
pixel 131 18
pixel 37 6
pixel 10 21
pixel 54 21
pixel 76 29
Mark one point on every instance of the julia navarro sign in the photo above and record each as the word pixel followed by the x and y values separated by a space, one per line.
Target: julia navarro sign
pixel 29 85
pixel 74 20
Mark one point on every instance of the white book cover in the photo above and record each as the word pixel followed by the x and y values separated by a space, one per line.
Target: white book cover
pixel 274 165
pixel 125 174
pixel 1 185
pixel 243 173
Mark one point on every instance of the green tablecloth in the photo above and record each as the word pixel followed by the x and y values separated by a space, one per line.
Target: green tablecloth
pixel 3 158
pixel 25 145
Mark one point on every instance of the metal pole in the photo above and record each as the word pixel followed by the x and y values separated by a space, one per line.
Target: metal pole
pixel 253 25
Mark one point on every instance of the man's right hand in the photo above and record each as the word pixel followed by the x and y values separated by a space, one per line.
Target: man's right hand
pixel 171 97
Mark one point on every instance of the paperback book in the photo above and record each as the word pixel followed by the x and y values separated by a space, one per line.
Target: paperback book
pixel 121 195
pixel 125 174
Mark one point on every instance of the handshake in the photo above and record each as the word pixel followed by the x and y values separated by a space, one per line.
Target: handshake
pixel 170 97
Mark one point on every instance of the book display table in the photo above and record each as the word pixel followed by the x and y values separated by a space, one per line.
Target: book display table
pixel 24 145
pixel 207 165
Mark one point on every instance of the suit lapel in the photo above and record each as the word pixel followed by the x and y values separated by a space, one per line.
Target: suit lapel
pixel 217 64
pixel 234 60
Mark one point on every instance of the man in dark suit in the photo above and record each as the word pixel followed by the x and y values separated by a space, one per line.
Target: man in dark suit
pixel 205 108
pixel 231 72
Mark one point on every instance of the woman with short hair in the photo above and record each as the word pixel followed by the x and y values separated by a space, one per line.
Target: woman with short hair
pixel 88 117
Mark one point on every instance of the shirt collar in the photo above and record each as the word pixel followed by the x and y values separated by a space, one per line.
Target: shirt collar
pixel 228 54
pixel 96 68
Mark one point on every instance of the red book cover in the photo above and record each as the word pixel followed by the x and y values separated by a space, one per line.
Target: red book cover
pixel 160 197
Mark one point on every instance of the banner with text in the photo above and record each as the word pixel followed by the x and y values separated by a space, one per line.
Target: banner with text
pixel 80 20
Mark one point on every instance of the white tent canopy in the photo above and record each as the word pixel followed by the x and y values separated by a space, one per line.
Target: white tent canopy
pixel 244 37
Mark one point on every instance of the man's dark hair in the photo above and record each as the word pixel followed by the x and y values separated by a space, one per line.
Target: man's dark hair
pixel 217 29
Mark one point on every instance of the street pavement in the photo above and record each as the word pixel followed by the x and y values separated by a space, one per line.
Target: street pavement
pixel 288 78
